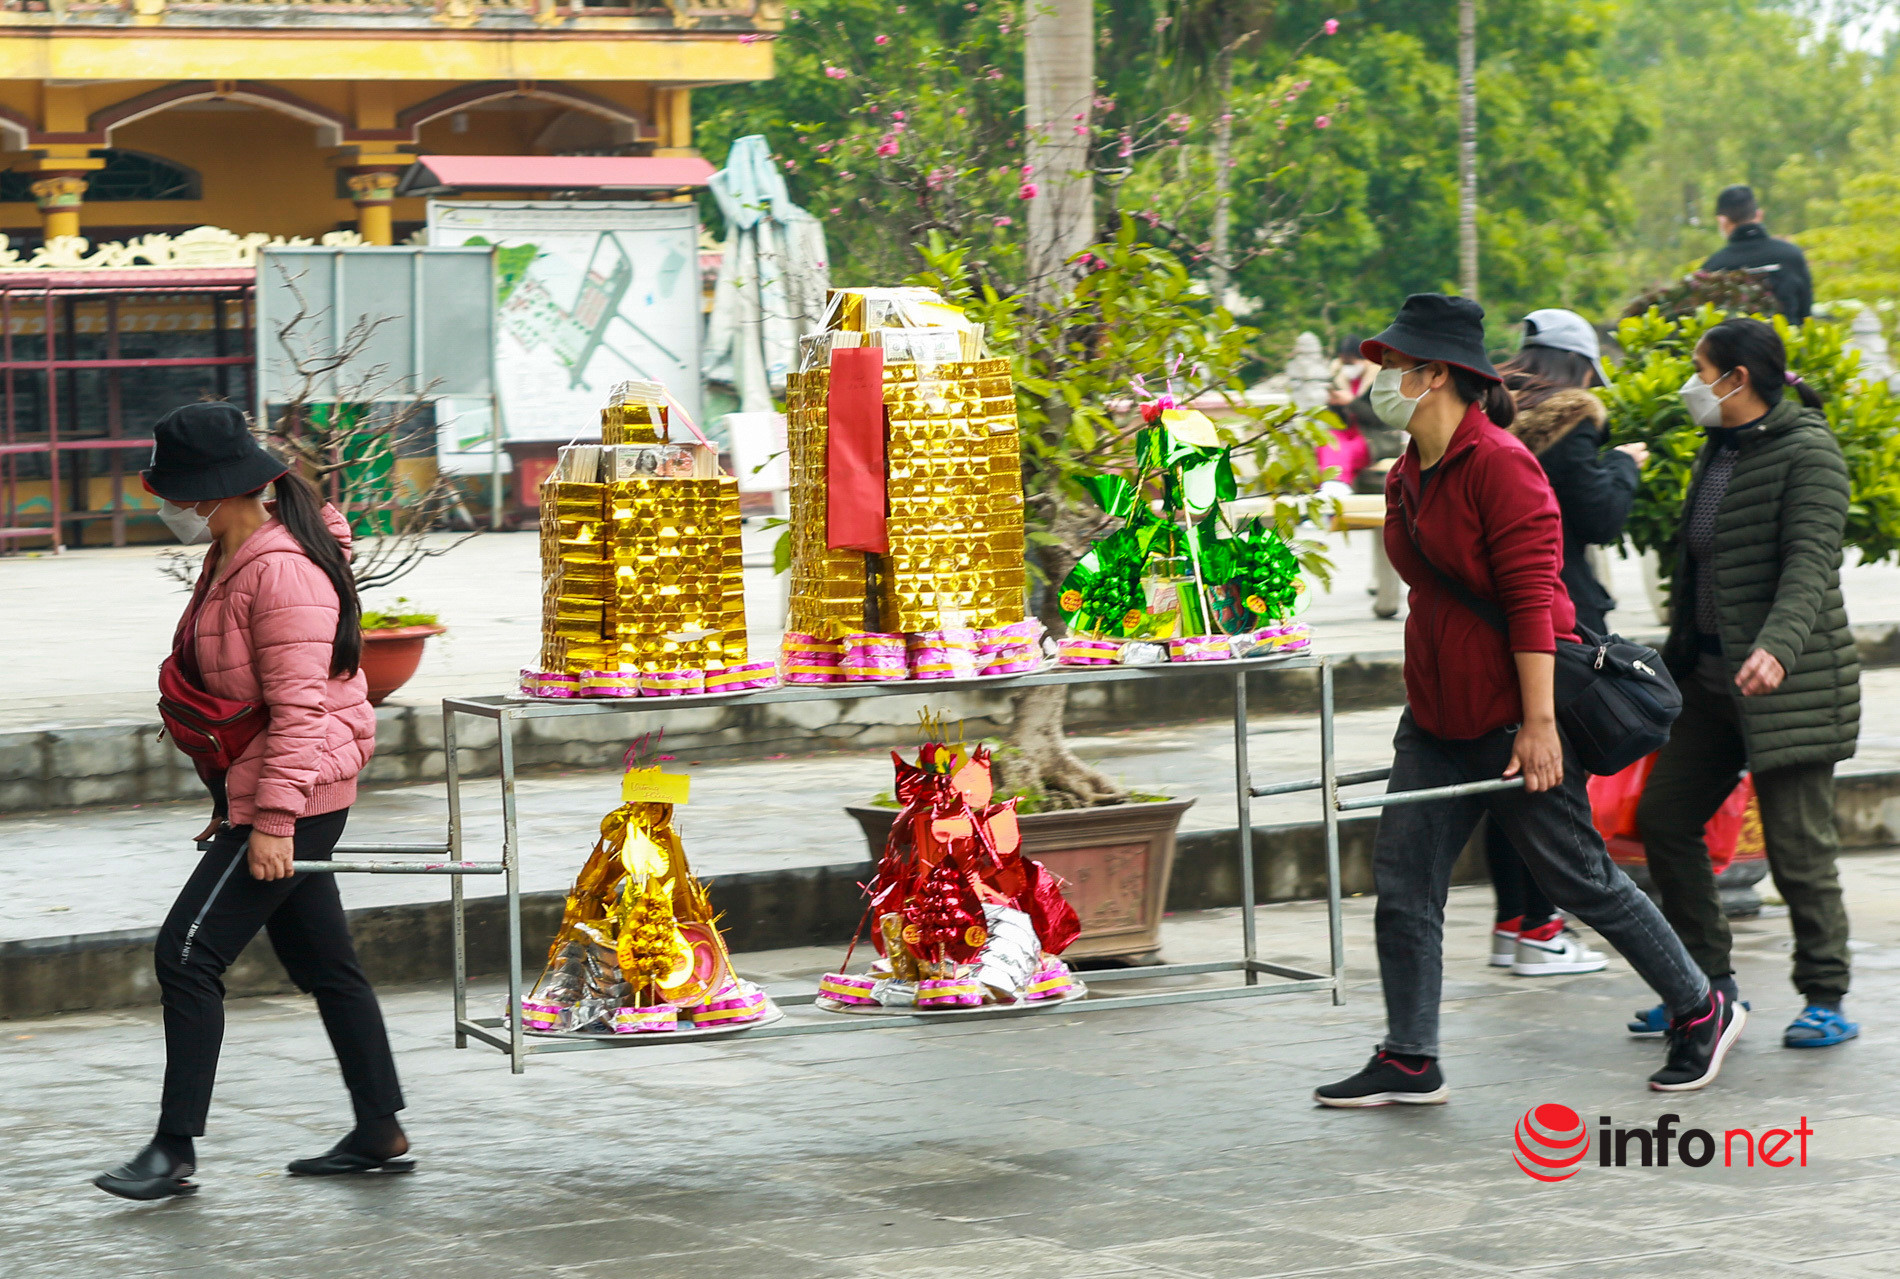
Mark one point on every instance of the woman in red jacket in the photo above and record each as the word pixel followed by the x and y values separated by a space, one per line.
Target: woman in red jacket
pixel 1467 503
pixel 273 621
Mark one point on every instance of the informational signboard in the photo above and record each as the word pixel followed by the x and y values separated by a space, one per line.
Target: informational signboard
pixel 374 323
pixel 587 294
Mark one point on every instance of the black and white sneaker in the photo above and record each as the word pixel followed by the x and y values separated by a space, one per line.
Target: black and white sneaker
pixel 1698 1043
pixel 1387 1081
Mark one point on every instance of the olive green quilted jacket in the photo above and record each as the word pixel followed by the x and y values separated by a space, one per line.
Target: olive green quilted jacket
pixel 1777 567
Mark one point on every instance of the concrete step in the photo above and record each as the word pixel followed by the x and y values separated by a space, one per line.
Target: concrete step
pixel 125 762
pixel 817 905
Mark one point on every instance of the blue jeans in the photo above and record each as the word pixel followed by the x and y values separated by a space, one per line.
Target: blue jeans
pixel 1418 844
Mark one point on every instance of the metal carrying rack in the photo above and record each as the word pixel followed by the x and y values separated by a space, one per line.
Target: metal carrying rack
pixel 508 1035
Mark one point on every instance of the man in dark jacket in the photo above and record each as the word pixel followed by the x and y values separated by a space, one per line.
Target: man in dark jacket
pixel 1750 248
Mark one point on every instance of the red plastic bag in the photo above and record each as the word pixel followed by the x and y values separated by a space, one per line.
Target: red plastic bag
pixel 1734 831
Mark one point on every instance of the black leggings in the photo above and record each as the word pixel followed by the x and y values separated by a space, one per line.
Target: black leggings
pixel 217 913
pixel 1518 893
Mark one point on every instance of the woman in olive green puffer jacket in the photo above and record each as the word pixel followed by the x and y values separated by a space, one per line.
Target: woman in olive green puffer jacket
pixel 1777 586
pixel 1760 646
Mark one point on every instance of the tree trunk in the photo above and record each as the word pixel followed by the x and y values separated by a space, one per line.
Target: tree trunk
pixel 1059 77
pixel 1218 277
pixel 1468 147
pixel 1045 760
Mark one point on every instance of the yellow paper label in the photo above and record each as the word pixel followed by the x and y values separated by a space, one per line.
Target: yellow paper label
pixel 1191 426
pixel 651 786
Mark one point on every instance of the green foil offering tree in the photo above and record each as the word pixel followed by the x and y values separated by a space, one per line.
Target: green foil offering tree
pixel 1214 577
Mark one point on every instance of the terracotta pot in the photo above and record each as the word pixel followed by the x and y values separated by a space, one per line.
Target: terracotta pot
pixel 390 657
pixel 1115 862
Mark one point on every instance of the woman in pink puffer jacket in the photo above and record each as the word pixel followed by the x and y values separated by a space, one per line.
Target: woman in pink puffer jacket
pixel 274 620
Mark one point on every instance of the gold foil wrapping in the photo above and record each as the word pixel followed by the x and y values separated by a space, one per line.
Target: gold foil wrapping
pixel 642 574
pixel 954 487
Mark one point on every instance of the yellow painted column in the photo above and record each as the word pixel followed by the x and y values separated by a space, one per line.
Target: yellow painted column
pixel 674 109
pixel 373 191
pixel 59 196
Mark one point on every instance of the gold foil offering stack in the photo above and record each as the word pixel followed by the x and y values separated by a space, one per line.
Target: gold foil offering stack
pixel 953 476
pixel 640 552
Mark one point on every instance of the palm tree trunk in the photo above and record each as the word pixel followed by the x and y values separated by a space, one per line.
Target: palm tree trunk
pixel 1059 78
pixel 1218 276
pixel 1468 147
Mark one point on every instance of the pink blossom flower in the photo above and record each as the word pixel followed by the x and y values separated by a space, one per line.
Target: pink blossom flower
pixel 791 166
pixel 847 175
pixel 1103 104
pixel 969 8
pixel 1028 170
pixel 1002 221
pixel 994 73
pixel 873 108
pixel 880 39
pixel 1332 26
pixel 824 147
pixel 836 209
pixel 835 73
pixel 1322 122
pixel 751 37
pixel 1027 191
pixel 1127 147
pixel 1003 27
pixel 962 111
pixel 1080 115
pixel 1180 123
pixel 888 146
pixel 1082 130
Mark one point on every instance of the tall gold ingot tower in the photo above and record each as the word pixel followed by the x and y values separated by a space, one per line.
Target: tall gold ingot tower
pixel 641 574
pixel 954 486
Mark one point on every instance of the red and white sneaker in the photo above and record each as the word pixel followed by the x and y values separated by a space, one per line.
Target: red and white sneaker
pixel 1552 950
pixel 1504 941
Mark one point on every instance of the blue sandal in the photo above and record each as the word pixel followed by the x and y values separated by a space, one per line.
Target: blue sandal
pixel 1819 1026
pixel 1650 1022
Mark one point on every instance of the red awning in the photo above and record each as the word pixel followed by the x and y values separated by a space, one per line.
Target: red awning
pixel 443 174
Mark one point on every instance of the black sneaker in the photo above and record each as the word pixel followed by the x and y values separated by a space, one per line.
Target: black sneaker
pixel 1698 1043
pixel 1387 1081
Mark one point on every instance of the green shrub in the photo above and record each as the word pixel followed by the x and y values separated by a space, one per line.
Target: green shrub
pixel 1644 406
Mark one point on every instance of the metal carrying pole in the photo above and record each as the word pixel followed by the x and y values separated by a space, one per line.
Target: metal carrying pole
pixel 458 918
pixel 511 859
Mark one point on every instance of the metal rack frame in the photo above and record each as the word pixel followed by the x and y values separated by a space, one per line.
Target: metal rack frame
pixel 508 1036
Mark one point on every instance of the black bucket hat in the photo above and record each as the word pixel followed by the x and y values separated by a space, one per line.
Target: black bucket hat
pixel 1436 328
pixel 205 452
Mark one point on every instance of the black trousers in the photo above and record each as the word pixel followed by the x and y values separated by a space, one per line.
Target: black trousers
pixel 218 911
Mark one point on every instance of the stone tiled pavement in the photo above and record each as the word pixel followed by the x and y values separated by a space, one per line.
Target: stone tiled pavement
pixel 1174 1141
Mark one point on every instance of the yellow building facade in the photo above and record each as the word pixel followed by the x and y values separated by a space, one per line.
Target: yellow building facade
pixel 298 118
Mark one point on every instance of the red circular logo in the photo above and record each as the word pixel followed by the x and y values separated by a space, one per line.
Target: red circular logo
pixel 1551 1142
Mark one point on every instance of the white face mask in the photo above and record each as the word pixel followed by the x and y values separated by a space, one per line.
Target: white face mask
pixel 1704 405
pixel 185 523
pixel 1390 402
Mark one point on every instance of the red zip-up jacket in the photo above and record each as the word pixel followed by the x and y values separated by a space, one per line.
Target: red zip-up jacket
pixel 1486 518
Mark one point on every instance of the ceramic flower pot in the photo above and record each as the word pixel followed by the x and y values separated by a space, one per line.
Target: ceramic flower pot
pixel 390 657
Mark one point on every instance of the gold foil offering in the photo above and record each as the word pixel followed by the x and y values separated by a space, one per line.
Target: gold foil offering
pixel 641 573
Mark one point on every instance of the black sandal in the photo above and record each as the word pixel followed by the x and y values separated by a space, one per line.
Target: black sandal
pixel 150 1174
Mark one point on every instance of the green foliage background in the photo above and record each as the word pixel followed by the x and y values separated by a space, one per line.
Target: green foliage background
pixel 1644 406
pixel 1606 129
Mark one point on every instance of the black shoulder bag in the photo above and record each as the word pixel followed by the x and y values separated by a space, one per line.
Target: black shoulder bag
pixel 1615 699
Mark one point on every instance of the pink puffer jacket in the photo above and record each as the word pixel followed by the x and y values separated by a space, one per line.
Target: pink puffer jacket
pixel 266 631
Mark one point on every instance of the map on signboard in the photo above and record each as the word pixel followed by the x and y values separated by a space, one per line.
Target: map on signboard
pixel 587 296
